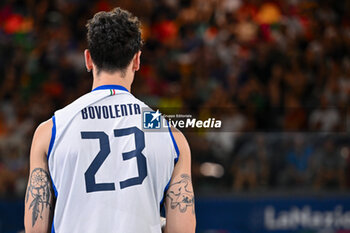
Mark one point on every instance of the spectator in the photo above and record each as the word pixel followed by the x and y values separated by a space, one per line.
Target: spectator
pixel 298 160
pixel 329 166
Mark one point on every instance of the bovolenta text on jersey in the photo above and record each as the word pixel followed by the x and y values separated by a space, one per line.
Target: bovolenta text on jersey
pixel 110 111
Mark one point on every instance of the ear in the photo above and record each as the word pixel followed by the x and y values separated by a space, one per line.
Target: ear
pixel 136 61
pixel 88 60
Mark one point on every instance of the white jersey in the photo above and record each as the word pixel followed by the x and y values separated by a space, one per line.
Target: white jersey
pixel 108 174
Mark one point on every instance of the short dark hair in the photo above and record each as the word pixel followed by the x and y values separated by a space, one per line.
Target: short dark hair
pixel 113 39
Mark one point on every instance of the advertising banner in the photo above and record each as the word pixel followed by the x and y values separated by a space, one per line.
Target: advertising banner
pixel 274 214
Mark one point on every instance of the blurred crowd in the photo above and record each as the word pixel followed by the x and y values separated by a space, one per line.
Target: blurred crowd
pixel 279 67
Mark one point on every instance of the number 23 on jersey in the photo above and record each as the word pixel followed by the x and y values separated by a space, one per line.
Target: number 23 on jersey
pixel 105 150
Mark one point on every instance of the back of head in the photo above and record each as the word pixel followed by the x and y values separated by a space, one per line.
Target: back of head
pixel 113 39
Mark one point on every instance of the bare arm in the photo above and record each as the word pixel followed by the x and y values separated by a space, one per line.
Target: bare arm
pixel 39 199
pixel 179 203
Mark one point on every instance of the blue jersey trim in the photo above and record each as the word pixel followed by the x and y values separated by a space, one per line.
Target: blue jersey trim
pixel 174 142
pixel 175 161
pixel 53 226
pixel 106 87
pixel 52 141
pixel 53 137
pixel 54 187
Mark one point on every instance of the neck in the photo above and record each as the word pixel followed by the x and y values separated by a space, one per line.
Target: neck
pixel 104 78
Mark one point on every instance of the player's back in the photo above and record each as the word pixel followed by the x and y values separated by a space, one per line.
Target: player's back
pixel 109 175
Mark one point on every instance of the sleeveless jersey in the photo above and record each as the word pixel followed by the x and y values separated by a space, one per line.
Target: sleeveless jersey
pixel 108 173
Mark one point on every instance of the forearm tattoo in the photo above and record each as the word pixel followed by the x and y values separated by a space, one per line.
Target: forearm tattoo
pixel 181 195
pixel 39 188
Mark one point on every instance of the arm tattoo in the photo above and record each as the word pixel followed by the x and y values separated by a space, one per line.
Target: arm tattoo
pixel 181 194
pixel 39 188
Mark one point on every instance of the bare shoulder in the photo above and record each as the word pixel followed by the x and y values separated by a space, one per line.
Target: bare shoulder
pixel 183 146
pixel 45 126
pixel 42 136
pixel 181 140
